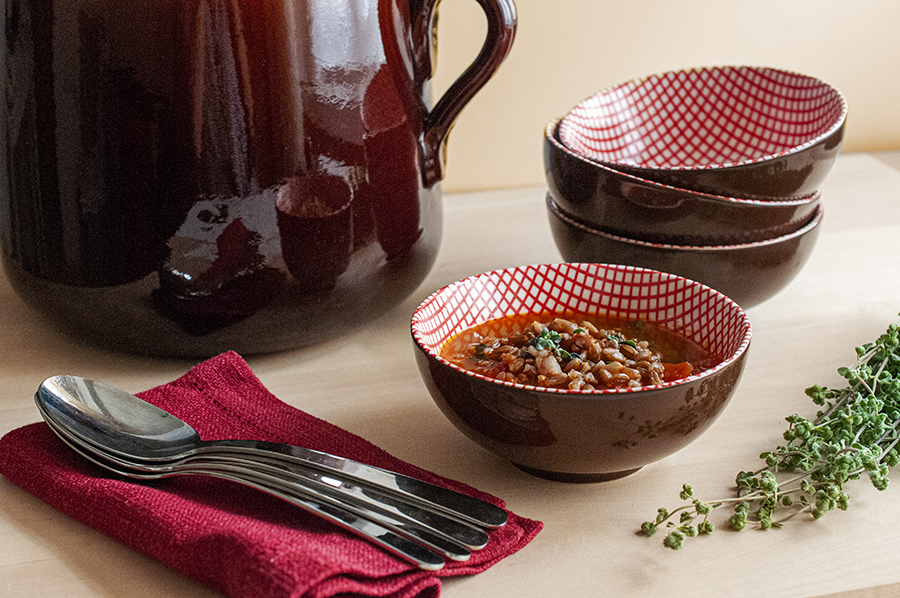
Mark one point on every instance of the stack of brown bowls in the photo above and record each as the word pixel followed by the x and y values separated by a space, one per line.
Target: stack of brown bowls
pixel 712 174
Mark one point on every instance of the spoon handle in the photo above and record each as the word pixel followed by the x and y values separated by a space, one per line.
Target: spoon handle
pixel 450 536
pixel 381 536
pixel 129 426
pixel 293 476
pixel 345 516
pixel 406 488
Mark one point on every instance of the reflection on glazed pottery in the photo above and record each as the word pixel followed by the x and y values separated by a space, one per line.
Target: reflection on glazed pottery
pixel 752 132
pixel 623 204
pixel 314 226
pixel 494 412
pixel 573 435
pixel 193 176
pixel 223 263
pixel 698 405
pixel 516 419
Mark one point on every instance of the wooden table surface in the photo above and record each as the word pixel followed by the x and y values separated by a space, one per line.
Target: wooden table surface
pixel 847 295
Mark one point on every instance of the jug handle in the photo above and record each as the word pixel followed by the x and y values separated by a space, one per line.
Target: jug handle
pixel 501 29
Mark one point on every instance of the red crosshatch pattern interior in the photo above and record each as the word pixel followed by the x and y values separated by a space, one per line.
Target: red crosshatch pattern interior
pixel 677 304
pixel 703 118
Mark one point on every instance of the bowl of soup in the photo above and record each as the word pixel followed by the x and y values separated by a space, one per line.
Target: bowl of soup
pixel 580 372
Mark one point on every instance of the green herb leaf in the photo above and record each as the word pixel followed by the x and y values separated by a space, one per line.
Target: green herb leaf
pixel 856 433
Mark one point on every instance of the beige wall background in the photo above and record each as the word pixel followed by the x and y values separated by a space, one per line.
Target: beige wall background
pixel 567 50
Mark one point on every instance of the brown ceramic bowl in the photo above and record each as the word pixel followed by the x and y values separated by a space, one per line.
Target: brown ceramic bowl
pixel 749 273
pixel 736 131
pixel 622 204
pixel 582 436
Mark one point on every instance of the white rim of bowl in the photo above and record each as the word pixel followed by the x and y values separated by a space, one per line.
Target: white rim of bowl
pixel 553 126
pixel 796 149
pixel 418 339
pixel 814 221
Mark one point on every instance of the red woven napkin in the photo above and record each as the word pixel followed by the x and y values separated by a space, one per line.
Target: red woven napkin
pixel 236 540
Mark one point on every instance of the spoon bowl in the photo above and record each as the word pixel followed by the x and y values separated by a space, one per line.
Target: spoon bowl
pixel 452 537
pixel 115 419
pixel 124 425
pixel 407 545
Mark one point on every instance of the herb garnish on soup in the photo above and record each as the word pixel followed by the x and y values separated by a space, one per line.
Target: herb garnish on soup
pixel 577 352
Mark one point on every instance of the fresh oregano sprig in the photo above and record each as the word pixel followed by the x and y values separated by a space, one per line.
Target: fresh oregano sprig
pixel 855 434
pixel 550 340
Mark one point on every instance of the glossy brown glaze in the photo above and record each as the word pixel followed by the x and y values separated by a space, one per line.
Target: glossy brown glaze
pixel 184 178
pixel 578 436
pixel 791 175
pixel 736 131
pixel 622 204
pixel 749 274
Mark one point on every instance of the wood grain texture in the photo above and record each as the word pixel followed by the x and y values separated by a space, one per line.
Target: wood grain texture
pixel 847 295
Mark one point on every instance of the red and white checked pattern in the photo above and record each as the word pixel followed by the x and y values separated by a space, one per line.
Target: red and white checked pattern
pixel 671 302
pixel 703 118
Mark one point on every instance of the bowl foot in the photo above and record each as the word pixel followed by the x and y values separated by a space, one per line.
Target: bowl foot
pixel 581 478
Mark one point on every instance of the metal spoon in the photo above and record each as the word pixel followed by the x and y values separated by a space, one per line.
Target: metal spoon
pixel 452 538
pixel 127 426
pixel 398 544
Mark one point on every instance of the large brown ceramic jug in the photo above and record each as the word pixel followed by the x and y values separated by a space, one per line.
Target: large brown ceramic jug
pixel 184 177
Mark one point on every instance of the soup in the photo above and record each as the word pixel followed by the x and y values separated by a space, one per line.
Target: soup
pixel 576 352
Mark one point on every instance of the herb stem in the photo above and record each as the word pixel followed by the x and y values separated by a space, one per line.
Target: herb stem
pixel 856 432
